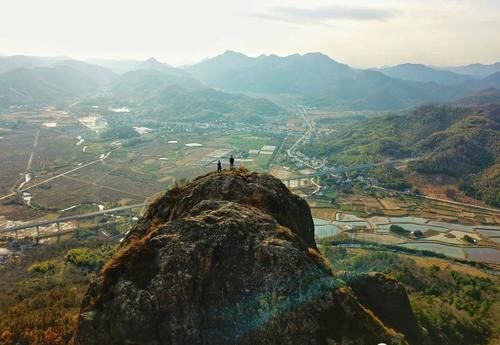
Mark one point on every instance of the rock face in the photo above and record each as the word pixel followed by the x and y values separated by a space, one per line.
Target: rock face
pixel 387 298
pixel 227 259
pixel 251 189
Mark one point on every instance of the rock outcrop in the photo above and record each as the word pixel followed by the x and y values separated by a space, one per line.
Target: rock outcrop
pixel 226 259
pixel 387 298
pixel 260 191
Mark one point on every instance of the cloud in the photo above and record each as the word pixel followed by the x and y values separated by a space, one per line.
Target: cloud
pixel 323 14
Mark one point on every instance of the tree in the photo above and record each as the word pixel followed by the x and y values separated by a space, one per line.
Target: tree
pixel 120 132
pixel 399 230
pixel 451 193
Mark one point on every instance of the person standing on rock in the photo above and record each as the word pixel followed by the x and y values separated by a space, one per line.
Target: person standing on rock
pixel 219 166
pixel 231 162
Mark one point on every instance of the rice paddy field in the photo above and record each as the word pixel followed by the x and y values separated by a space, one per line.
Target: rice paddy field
pixel 446 225
pixel 415 227
pixel 325 231
pixel 487 255
pixel 454 252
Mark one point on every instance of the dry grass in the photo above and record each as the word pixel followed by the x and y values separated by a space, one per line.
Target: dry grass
pixel 390 204
pixel 133 262
pixel 323 213
pixel 424 261
pixel 319 258
pixel 285 232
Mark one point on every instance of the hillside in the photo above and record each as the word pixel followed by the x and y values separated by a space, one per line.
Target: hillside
pixel 230 259
pixel 54 85
pixel 95 72
pixel 491 81
pixel 423 73
pixel 161 94
pixel 458 142
pixel 467 146
pixel 124 66
pixel 22 86
pixel 371 90
pixel 100 75
pixel 147 83
pixel 393 135
pixel 205 103
pixel 479 99
pixel 475 70
pixel 8 63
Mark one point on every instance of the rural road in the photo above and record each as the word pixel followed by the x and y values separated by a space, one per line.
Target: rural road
pixel 62 174
pixel 448 201
pixel 290 151
pixel 35 144
pixel 318 187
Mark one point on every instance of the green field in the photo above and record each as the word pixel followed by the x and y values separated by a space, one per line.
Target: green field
pixel 331 194
pixel 249 142
pixel 151 168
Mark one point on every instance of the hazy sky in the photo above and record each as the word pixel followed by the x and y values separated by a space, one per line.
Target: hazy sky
pixel 362 33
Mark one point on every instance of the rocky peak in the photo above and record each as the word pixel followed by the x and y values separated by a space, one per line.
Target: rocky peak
pixel 261 191
pixel 228 258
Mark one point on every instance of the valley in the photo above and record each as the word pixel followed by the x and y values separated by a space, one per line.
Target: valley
pixel 409 192
pixel 116 156
pixel 249 173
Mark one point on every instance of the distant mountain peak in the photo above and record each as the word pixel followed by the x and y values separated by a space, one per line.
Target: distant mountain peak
pixel 407 65
pixel 233 53
pixel 413 64
pixel 317 54
pixel 153 62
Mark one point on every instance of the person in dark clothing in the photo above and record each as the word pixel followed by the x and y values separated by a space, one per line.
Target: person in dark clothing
pixel 219 166
pixel 231 162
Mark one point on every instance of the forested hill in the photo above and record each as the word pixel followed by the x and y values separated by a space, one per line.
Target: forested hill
pixel 460 142
pixel 480 99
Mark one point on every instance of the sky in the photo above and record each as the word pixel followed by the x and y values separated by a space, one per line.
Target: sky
pixel 361 33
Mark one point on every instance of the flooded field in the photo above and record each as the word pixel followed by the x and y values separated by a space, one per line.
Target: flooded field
pixel 415 227
pixel 488 255
pixel 454 252
pixel 475 242
pixel 324 229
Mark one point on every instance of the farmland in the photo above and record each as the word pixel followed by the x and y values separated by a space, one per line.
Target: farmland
pixel 445 228
pixel 58 159
pixel 71 162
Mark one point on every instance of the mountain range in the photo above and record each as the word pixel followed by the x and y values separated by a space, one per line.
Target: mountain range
pixel 271 74
pixel 313 79
pixel 160 89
